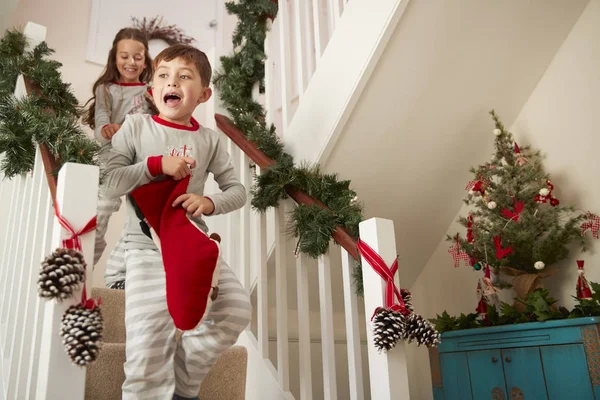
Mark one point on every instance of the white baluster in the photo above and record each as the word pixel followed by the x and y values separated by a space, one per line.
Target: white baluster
pixel 309 40
pixel 45 244
pixel 263 289
pixel 268 75
pixel 300 59
pixel 317 30
pixel 245 238
pixel 22 277
pixel 285 57
pixel 387 371
pixel 40 206
pixel 355 374
pixel 283 361
pixel 327 332
pixel 76 195
pixel 335 13
pixel 10 248
pixel 304 351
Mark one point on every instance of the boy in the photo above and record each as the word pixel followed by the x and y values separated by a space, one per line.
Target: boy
pixel 147 148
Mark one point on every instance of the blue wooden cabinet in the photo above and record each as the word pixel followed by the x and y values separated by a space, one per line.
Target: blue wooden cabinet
pixel 555 360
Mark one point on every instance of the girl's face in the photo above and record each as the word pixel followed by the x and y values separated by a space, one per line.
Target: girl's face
pixel 131 60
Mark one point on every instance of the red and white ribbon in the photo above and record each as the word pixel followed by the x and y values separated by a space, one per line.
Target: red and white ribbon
pixel 393 297
pixel 73 242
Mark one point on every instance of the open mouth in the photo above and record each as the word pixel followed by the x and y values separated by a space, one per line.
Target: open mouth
pixel 171 99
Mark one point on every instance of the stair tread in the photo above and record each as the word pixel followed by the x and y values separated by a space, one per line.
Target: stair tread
pixel 226 380
pixel 113 313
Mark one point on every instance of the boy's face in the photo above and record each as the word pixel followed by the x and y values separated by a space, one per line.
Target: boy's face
pixel 178 90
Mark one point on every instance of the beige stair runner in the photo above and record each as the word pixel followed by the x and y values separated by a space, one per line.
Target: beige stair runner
pixel 226 380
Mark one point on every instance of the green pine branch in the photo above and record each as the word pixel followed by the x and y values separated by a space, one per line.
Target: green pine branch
pixel 50 118
pixel 239 74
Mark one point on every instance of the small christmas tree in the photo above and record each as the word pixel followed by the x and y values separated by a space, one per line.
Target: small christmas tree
pixel 517 224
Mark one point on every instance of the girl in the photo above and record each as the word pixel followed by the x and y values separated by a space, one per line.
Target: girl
pixel 122 89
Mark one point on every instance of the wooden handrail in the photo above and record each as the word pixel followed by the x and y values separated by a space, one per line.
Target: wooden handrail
pixel 50 163
pixel 340 235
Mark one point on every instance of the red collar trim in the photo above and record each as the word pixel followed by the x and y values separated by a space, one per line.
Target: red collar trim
pixel 195 125
pixel 130 84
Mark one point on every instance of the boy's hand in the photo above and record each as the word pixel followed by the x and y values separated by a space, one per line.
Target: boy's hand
pixel 178 167
pixel 195 205
pixel 108 131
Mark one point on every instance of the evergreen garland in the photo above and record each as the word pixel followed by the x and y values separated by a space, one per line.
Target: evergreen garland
pixel 240 73
pixel 50 117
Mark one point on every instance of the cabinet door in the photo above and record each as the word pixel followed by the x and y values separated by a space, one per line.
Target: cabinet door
pixel 455 376
pixel 524 374
pixel 566 371
pixel 487 375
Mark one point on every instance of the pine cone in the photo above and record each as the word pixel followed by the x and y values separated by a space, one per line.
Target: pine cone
pixel 388 326
pixel 81 329
pixel 60 274
pixel 407 298
pixel 419 329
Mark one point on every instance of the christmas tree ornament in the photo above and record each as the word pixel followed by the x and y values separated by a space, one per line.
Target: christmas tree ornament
pixel 417 328
pixel 458 254
pixel 492 205
pixel 61 274
pixel 545 195
pixel 481 304
pixel 490 291
pixel 477 267
pixel 583 287
pixel 81 330
pixel 539 265
pixel 520 160
pixel 497 132
pixel 515 213
pixel 192 265
pixel 500 251
pixel 592 223
pixel 470 235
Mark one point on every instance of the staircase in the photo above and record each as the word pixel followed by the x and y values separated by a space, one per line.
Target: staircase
pixel 226 380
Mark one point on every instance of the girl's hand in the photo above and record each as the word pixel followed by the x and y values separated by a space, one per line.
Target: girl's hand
pixel 177 167
pixel 108 131
pixel 195 205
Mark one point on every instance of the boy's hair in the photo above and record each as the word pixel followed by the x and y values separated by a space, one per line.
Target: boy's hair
pixel 189 54
pixel 111 73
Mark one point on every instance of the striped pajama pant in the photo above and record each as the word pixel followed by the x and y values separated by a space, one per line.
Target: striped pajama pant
pixel 115 264
pixel 157 364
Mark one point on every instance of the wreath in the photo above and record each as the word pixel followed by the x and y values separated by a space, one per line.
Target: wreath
pixel 154 28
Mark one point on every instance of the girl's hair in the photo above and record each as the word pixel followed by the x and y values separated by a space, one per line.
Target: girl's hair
pixel 111 73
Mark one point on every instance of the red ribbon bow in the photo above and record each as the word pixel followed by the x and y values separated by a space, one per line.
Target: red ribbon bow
pixel 387 274
pixel 73 242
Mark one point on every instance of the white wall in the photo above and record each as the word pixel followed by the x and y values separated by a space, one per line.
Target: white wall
pixel 560 119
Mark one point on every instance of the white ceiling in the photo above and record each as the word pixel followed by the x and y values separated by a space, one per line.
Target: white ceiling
pixel 422 120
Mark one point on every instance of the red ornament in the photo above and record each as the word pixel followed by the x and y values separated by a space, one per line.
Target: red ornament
pixel 583 287
pixel 592 223
pixel 517 207
pixel 470 235
pixel 501 252
pixel 539 198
